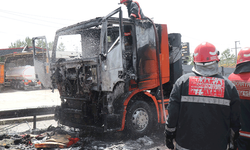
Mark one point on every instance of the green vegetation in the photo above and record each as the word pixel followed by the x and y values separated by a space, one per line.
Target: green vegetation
pixel 227 59
pixel 28 41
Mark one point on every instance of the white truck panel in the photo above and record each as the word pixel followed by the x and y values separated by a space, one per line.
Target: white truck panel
pixel 22 73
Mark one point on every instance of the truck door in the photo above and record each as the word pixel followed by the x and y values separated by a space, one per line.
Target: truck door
pixel 42 62
pixel 147 60
pixel 112 50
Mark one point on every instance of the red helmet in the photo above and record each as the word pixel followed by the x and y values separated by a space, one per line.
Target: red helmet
pixel 243 55
pixel 123 1
pixel 205 52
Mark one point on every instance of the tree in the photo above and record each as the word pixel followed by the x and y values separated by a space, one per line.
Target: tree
pixel 190 60
pixel 61 47
pixel 227 59
pixel 41 43
pixel 28 42
pixel 20 43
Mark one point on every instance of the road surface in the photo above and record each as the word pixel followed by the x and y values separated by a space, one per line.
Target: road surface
pixel 11 99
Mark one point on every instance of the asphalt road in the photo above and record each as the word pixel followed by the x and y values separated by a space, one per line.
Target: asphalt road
pixel 11 99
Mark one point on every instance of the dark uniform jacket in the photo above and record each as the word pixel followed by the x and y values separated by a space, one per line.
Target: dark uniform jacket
pixel 241 79
pixel 242 83
pixel 202 110
pixel 134 10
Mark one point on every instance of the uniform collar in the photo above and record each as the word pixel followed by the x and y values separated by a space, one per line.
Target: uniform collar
pixel 206 71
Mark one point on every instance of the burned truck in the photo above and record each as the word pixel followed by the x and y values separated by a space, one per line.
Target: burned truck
pixel 110 80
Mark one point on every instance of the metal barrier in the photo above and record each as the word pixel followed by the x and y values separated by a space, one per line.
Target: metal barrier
pixel 8 114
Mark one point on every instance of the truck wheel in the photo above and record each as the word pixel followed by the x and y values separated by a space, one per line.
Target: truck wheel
pixel 12 85
pixel 15 85
pixel 18 86
pixel 140 119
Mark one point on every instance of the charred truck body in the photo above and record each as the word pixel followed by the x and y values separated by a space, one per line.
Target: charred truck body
pixel 110 81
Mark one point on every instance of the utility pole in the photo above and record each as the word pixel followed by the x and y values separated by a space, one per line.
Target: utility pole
pixel 236 50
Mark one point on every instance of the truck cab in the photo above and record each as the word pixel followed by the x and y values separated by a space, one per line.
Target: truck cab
pixel 109 71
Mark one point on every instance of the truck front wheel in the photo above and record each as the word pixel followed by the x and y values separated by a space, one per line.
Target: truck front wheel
pixel 140 119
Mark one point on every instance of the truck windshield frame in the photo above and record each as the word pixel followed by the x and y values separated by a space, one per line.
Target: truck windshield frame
pixel 93 38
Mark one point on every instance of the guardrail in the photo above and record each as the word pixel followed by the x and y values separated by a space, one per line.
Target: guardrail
pixel 12 114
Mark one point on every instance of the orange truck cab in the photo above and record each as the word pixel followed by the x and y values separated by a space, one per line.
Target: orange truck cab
pixel 110 80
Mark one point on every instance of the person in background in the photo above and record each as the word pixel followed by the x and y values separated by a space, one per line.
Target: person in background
pixel 204 106
pixel 128 36
pixel 241 79
pixel 134 9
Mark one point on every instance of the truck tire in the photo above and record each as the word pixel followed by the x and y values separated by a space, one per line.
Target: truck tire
pixel 18 86
pixel 140 119
pixel 12 85
pixel 15 85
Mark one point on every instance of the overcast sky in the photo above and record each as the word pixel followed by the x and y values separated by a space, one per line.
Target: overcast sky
pixel 220 22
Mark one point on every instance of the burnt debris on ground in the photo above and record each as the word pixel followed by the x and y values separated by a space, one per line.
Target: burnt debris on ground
pixel 62 137
pixel 52 137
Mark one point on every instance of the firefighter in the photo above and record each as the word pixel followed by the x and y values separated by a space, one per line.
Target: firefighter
pixel 134 9
pixel 128 36
pixel 241 79
pixel 204 106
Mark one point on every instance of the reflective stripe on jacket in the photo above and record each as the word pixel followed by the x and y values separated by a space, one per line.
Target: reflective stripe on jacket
pixel 202 110
pixel 245 134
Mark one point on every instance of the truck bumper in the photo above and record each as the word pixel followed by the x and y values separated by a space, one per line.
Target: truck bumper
pixel 74 118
